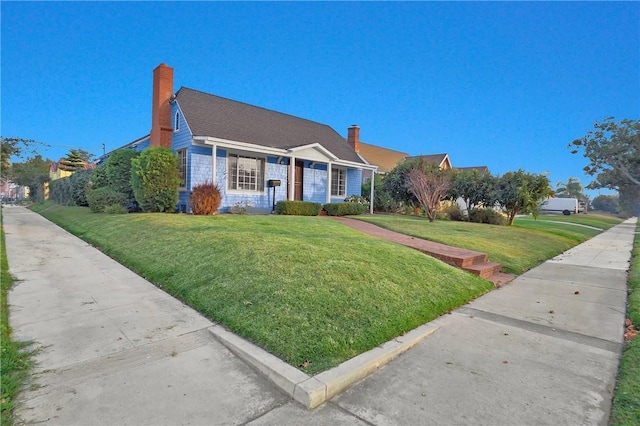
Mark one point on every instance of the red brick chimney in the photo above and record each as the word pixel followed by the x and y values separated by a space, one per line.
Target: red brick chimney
pixel 353 137
pixel 161 131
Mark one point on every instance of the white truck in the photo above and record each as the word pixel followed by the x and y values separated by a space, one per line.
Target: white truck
pixel 565 206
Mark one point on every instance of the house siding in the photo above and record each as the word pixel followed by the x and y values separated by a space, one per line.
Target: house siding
pixel 354 182
pixel 182 139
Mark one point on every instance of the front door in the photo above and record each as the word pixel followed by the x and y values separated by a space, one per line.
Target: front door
pixel 298 183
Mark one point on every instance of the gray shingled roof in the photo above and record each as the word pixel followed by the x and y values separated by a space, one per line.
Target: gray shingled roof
pixel 214 116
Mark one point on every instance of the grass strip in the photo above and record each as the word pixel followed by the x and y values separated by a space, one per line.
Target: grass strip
pixel 15 361
pixel 307 289
pixel 517 248
pixel 626 399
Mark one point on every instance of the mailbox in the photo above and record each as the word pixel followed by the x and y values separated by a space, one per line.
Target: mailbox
pixel 272 183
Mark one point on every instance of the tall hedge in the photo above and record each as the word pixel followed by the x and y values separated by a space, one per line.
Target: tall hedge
pixel 155 178
pixel 80 186
pixel 118 171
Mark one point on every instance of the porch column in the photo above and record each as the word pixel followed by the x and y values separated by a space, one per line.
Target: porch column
pixel 373 174
pixel 214 164
pixel 328 182
pixel 292 178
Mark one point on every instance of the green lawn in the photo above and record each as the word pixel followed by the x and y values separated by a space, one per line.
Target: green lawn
pixel 307 289
pixel 626 399
pixel 517 248
pixel 591 219
pixel 15 361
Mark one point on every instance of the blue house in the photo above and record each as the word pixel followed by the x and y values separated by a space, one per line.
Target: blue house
pixel 246 150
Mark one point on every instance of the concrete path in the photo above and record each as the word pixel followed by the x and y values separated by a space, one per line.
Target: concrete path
pixel 116 350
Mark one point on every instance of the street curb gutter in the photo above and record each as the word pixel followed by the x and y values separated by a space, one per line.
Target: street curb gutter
pixel 311 391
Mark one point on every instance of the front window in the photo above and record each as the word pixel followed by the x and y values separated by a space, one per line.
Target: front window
pixel 182 158
pixel 338 182
pixel 245 173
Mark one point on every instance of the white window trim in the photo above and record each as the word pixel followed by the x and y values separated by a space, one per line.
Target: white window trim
pixel 186 167
pixel 339 170
pixel 245 191
pixel 176 121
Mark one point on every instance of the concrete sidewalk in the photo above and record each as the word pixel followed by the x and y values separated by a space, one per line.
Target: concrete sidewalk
pixel 116 350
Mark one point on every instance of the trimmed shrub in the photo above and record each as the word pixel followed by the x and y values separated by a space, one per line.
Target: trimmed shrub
pixel 101 198
pixel 298 208
pixel 343 209
pixel 485 215
pixel 205 199
pixel 100 178
pixel 80 186
pixel 60 191
pixel 118 171
pixel 155 178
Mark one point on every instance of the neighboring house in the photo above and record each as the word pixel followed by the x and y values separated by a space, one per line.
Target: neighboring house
pixel 386 159
pixel 440 160
pixel 58 171
pixel 244 149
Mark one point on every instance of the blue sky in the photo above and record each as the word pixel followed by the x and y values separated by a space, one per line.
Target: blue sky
pixel 506 84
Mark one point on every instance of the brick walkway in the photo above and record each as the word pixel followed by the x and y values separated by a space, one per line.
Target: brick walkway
pixel 472 261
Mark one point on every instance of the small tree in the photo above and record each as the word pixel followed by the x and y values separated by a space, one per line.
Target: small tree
pixel 155 178
pixel 76 159
pixel 395 184
pixel 475 188
pixel 430 185
pixel 521 192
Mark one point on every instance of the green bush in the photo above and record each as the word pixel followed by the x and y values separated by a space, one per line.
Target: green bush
pixel 115 209
pixel 298 208
pixel 100 178
pixel 486 215
pixel 453 212
pixel 343 209
pixel 101 198
pixel 80 186
pixel 60 191
pixel 155 178
pixel 118 171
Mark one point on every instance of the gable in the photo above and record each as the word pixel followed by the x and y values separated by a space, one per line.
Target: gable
pixel 213 116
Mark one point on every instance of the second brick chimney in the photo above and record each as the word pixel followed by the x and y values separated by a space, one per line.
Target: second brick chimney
pixel 161 131
pixel 353 137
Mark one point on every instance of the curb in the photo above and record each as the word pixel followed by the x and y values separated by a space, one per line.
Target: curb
pixel 311 391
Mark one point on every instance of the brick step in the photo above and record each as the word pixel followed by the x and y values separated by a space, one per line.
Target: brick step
pixel 484 269
pixel 456 257
pixel 501 278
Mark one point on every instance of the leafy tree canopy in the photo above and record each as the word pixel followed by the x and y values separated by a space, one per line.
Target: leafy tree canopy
pixel 14 147
pixel 32 173
pixel 474 187
pixel 613 149
pixel 521 192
